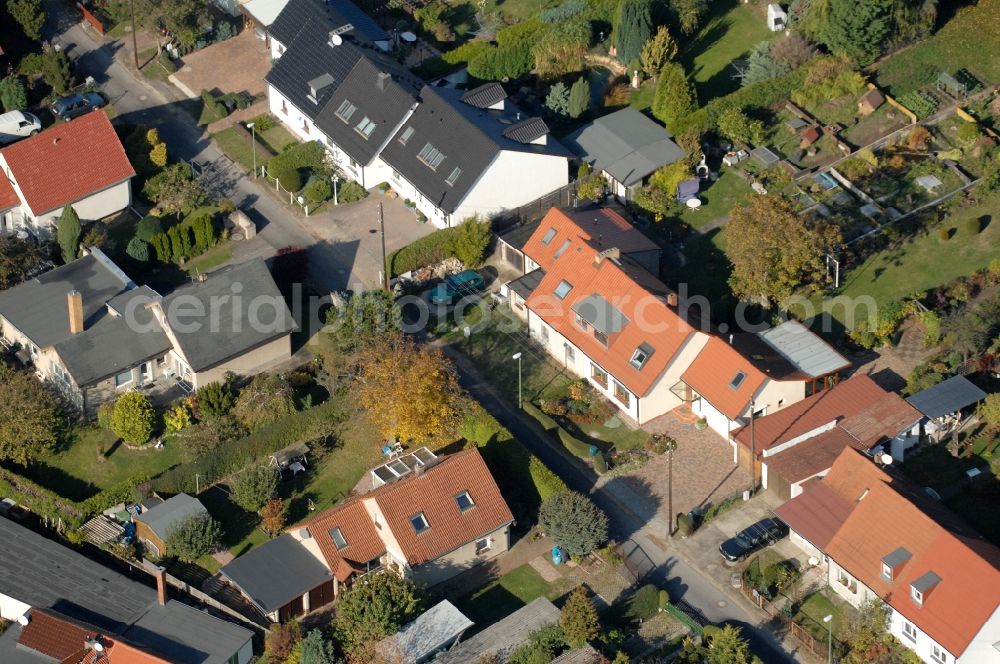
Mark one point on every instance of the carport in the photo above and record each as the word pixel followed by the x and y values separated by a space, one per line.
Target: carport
pixel 942 405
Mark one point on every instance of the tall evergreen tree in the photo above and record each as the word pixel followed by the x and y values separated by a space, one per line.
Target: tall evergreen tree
pixel 68 231
pixel 633 28
pixel 579 97
pixel 857 30
pixel 674 96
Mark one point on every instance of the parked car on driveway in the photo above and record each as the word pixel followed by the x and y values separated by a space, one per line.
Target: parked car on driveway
pixel 455 286
pixel 75 105
pixel 763 533
pixel 16 125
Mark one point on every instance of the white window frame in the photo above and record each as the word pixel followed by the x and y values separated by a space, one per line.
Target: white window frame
pixel 343 539
pixel 466 496
pixel 119 385
pixel 916 596
pixel 639 358
pixel 423 518
pixel 938 654
pixel 909 630
pixel 886 571
pixel 366 127
pixel 486 544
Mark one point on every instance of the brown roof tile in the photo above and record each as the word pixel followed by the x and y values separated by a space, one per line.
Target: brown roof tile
pixel 53 635
pixel 711 375
pixel 363 542
pixel 811 456
pixel 68 162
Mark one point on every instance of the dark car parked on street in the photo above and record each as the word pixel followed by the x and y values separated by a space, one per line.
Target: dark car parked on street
pixel 763 533
pixel 75 105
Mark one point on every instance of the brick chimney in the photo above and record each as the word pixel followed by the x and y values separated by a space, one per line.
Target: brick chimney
pixel 612 253
pixel 161 585
pixel 74 300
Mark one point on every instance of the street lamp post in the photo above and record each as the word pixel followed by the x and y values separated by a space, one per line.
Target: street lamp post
pixel 253 143
pixel 671 448
pixel 517 356
pixel 336 179
pixel 829 641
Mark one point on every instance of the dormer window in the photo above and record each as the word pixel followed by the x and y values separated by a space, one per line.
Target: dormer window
pixel 738 380
pixel 641 355
pixel 464 501
pixel 894 562
pixel 918 597
pixel 345 111
pixel 338 539
pixel 922 586
pixel 366 127
pixel 419 523
pixel 549 234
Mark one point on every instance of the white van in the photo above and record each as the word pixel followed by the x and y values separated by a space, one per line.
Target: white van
pixel 16 125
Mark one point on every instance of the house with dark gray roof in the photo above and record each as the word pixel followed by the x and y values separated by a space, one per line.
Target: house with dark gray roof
pixel 88 330
pixel 39 573
pixel 453 153
pixel 502 638
pixel 342 17
pixel 153 526
pixel 625 147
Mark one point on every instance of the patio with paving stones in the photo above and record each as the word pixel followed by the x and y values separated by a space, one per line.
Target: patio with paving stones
pixel 703 469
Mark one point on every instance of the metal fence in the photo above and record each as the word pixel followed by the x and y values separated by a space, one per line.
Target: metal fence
pixel 817 646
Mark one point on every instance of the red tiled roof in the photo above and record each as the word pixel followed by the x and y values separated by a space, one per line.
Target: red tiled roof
pixel 431 492
pixel 119 652
pixel 858 403
pixel 711 375
pixel 811 456
pixel 886 515
pixel 639 296
pixel 8 197
pixel 601 228
pixel 53 636
pixel 818 517
pixel 68 162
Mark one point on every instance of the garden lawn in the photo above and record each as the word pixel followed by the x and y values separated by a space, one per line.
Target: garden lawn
pixel 960 44
pixel 812 611
pixel 707 269
pixel 277 138
pixel 924 262
pixel 78 472
pixel 717 199
pixel 728 35
pixel 508 594
pixel 239 150
pixel 210 259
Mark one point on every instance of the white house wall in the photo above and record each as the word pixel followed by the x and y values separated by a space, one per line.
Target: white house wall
pixel 96 206
pixel 660 399
pixel 716 420
pixel 921 643
pixel 292 117
pixel 12 609
pixel 982 649
pixel 513 179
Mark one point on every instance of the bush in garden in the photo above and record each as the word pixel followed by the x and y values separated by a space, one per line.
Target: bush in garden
pixel 574 522
pixel 256 485
pixel 147 227
pixel 262 122
pixel 578 618
pixel 268 397
pixel 560 13
pixel 350 192
pixel 158 155
pixel 318 190
pixel 216 399
pixel 133 418
pixel 685 525
pixel 470 241
pixel 162 247
pixel 285 173
pixel 104 414
pixel 177 418
pixel 137 250
pixel 944 234
pixel 194 537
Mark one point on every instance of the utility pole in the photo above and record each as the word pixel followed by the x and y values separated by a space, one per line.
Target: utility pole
pixel 670 488
pixel 385 267
pixel 135 43
pixel 753 447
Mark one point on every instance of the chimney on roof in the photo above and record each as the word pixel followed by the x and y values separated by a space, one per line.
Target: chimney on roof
pixel 671 299
pixel 55 140
pixel 730 340
pixel 383 79
pixel 161 585
pixel 611 252
pixel 74 302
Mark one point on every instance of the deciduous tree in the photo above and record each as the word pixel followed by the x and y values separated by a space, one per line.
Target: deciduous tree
pixel 774 250
pixel 281 640
pixel 557 100
pixel 363 320
pixel 29 420
pixel 578 618
pixel 574 522
pixel 29 14
pixel 410 391
pixel 689 14
pixel 174 189
pixel 253 487
pixel 561 51
pixel 267 398
pixel 196 536
pixel 273 517
pixel 674 97
pixel 374 608
pixel 989 410
pixel 727 646
pixel 734 124
pixel 18 259
pixel 133 418
pixel 68 231
pixel 632 29
pixel 657 52
pixel 13 96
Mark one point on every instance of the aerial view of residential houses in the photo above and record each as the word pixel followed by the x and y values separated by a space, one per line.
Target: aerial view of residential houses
pixel 578 331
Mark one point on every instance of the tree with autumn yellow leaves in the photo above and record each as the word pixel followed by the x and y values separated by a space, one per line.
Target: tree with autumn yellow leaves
pixel 410 392
pixel 775 251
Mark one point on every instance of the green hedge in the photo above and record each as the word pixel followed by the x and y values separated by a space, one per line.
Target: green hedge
pixel 232 457
pixel 47 503
pixel 547 422
pixel 600 464
pixel 759 95
pixel 546 482
pixel 426 251
pixel 575 446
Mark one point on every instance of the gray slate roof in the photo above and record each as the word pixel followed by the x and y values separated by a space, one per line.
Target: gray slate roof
pixel 803 349
pixel 38 306
pixel 45 574
pixel 504 636
pixel 329 15
pixel 470 138
pixel 113 343
pixel 625 144
pixel 378 95
pixel 526 285
pixel 170 512
pixel 229 335
pixel 433 629
pixel 600 313
pixel 947 397
pixel 277 572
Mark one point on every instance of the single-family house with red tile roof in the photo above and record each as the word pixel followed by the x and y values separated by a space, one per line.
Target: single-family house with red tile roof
pixel 433 522
pixel 50 637
pixel 801 441
pixel 881 538
pixel 80 163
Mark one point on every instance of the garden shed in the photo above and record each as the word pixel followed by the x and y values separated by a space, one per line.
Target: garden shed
pixel 942 404
pixel 766 157
pixel 870 102
pixel 777 18
pixel 950 85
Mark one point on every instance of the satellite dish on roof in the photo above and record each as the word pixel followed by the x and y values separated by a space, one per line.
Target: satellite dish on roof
pixel 336 40
pixel 886 459
pixel 23 620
